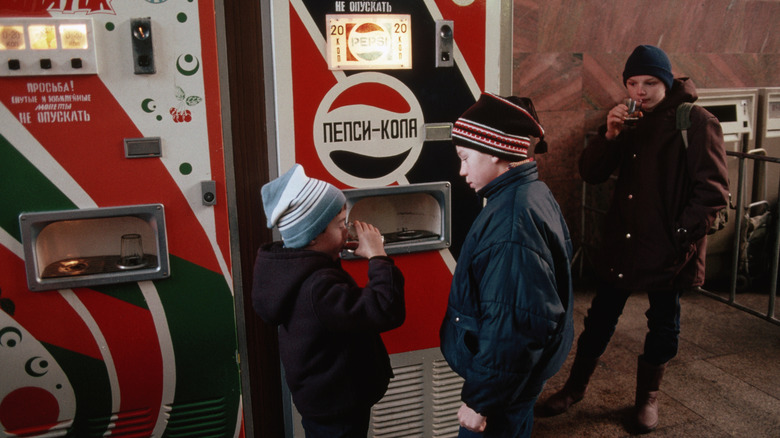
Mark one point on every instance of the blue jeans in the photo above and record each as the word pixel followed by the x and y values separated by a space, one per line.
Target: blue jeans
pixel 353 425
pixel 515 422
pixel 663 322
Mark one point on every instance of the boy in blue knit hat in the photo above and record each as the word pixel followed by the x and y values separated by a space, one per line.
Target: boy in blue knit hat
pixel 335 362
pixel 666 198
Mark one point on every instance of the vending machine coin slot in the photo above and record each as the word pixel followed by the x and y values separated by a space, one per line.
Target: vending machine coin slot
pixel 444 43
pixel 143 48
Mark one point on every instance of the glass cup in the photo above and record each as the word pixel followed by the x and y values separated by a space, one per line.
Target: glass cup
pixel 132 251
pixel 634 112
pixel 352 238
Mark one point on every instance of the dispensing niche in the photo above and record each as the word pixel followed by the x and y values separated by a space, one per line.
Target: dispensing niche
pixel 412 218
pixel 91 247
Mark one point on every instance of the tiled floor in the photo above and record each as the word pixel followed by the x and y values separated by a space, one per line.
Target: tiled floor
pixel 724 382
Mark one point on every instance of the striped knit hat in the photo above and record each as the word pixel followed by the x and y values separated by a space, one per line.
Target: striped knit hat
pixel 300 206
pixel 500 126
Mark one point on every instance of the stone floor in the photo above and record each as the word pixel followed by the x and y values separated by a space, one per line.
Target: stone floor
pixel 724 382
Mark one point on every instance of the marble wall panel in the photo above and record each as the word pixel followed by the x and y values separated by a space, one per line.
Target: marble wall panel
pixel 569 55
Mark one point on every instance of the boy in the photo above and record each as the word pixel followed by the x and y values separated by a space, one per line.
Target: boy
pixel 335 362
pixel 508 326
pixel 666 198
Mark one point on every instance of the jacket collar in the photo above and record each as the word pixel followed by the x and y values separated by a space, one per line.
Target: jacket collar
pixel 523 174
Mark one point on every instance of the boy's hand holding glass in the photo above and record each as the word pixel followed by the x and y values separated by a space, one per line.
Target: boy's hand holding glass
pixel 365 240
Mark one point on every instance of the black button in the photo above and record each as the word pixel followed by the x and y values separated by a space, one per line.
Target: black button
pixel 45 63
pixel 14 64
pixel 76 63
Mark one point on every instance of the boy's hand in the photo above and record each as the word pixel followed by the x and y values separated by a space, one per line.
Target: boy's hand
pixel 370 241
pixel 615 119
pixel 470 419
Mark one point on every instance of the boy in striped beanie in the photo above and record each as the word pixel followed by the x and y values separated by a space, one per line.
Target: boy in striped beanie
pixel 335 362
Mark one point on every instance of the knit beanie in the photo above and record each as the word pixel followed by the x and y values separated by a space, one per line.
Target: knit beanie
pixel 500 126
pixel 649 60
pixel 300 206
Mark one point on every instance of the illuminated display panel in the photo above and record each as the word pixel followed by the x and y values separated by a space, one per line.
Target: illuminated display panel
pixel 369 42
pixel 42 36
pixel 74 36
pixel 12 38
pixel 44 46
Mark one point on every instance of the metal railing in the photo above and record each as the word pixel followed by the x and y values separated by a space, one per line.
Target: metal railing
pixel 758 155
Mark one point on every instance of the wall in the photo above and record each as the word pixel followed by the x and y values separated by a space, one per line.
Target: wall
pixel 569 57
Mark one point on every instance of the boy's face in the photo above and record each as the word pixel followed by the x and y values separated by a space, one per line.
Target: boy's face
pixel 646 89
pixel 478 168
pixel 332 240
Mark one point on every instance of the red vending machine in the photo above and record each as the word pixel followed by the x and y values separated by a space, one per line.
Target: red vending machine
pixel 364 96
pixel 116 294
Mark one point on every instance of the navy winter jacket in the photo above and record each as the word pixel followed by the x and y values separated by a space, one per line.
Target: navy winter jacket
pixel 509 318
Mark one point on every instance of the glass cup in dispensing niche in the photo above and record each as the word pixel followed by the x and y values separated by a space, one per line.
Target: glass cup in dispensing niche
pixel 634 112
pixel 352 238
pixel 131 255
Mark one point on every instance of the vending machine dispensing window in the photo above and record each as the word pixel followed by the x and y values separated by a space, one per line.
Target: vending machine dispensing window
pixel 412 218
pixel 89 247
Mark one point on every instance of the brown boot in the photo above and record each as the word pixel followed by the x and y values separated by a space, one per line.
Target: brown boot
pixel 573 391
pixel 648 381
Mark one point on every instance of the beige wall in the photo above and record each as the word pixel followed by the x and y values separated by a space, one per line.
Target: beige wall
pixel 569 56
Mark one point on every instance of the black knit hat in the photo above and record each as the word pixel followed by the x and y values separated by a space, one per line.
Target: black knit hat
pixel 649 60
pixel 500 126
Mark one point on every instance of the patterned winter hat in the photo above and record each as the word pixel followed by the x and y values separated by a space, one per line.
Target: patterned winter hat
pixel 649 60
pixel 300 206
pixel 500 126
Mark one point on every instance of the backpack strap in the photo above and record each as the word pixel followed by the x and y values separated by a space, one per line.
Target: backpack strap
pixel 684 120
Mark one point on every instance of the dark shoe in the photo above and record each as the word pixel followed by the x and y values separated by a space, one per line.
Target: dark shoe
pixel 573 391
pixel 648 381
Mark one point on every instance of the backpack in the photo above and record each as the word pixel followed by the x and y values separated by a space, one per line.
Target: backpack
pixel 683 117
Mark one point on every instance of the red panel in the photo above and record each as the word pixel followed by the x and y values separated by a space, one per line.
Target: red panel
pixel 45 314
pixel 469 33
pixel 427 289
pixel 92 152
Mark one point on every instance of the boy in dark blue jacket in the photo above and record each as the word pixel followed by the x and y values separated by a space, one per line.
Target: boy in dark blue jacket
pixel 508 326
pixel 335 362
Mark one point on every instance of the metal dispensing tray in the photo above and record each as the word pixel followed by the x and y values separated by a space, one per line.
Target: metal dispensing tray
pixel 412 218
pixel 80 248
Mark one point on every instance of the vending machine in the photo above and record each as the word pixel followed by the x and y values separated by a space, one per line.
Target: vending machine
pixel 364 97
pixel 116 297
pixel 735 109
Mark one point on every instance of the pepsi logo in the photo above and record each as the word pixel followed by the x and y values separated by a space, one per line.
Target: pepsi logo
pixel 369 130
pixel 369 42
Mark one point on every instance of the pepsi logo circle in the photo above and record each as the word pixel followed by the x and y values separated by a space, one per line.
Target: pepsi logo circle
pixel 369 42
pixel 369 130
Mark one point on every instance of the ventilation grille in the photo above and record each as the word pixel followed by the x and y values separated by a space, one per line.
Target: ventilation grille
pixel 422 400
pixel 42 431
pixel 401 412
pixel 204 419
pixel 446 400
pixel 126 424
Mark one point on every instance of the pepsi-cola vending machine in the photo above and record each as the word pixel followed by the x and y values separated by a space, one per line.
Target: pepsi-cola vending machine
pixel 116 293
pixel 364 97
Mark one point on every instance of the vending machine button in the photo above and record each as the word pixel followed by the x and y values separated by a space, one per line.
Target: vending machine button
pixel 76 63
pixel 14 64
pixel 46 63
